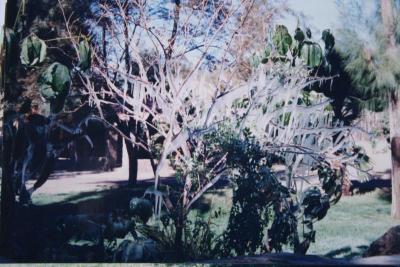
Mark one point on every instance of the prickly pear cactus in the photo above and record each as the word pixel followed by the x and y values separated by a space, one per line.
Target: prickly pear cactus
pixel 282 40
pixel 33 50
pixel 54 84
pixel 85 55
pixel 311 53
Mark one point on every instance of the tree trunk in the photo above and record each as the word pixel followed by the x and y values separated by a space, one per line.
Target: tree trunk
pixel 179 227
pixel 7 210
pixel 388 19
pixel 132 151
pixel 133 162
pixel 7 196
pixel 394 111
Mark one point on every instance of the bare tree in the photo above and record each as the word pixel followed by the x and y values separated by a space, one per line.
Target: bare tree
pixel 187 101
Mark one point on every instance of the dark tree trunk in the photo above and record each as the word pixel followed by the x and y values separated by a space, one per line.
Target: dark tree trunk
pixel 125 128
pixel 7 196
pixel 7 193
pixel 133 162
pixel 179 223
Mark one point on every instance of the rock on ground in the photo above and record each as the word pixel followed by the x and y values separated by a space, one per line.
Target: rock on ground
pixel 387 244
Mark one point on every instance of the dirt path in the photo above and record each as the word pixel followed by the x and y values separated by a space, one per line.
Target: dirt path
pixel 73 182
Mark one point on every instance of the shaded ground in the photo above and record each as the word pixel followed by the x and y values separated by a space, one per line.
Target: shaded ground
pixel 94 194
pixel 74 193
pixel 348 229
pixel 36 225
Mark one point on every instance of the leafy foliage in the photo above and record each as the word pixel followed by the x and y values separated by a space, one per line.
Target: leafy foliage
pixel 256 191
pixel 265 215
pixel 328 39
pixel 331 181
pixel 315 204
pixel 199 242
pixel 303 47
pixel 142 208
pixel 336 64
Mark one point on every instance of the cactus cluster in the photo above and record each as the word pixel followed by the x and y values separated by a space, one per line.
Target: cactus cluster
pixel 85 55
pixel 55 81
pixel 33 50
pixel 301 46
pixel 54 84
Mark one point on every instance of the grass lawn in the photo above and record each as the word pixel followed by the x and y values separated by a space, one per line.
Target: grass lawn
pixel 349 228
pixel 351 225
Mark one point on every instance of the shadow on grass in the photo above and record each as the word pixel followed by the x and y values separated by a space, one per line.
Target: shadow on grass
pixel 206 203
pixel 35 226
pixel 346 252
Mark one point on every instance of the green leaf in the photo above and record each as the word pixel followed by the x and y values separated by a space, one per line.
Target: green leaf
pixel 85 55
pixel 311 53
pixel 33 50
pixel 54 84
pixel 282 40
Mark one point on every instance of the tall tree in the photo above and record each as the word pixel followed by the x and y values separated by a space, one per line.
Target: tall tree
pixel 388 13
pixel 372 62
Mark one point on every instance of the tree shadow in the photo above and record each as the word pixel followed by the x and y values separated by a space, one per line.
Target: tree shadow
pixel 347 252
pixel 36 226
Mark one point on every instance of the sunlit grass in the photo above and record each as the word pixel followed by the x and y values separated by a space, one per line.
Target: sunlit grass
pixel 349 228
pixel 352 225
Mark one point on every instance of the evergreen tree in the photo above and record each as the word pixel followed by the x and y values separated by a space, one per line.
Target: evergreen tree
pixel 371 46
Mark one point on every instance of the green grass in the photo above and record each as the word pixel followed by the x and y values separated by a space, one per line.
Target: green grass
pixel 352 225
pixel 349 228
pixel 214 200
